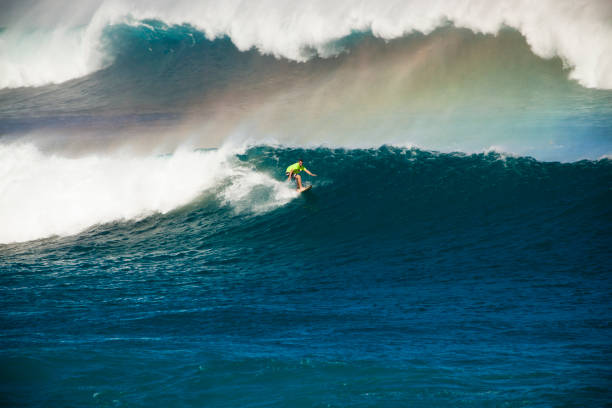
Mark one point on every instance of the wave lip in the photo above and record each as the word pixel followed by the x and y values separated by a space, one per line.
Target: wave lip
pixel 578 32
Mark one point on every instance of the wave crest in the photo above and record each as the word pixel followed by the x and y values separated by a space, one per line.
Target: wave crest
pixel 577 31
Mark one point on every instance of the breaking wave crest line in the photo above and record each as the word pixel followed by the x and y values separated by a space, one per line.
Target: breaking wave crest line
pixel 578 32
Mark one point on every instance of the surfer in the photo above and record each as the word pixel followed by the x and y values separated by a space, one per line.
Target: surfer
pixel 293 171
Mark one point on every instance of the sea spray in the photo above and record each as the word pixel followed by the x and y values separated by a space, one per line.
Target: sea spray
pixel 47 194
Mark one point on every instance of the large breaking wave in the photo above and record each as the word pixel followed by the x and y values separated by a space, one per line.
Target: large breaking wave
pixel 384 189
pixel 52 42
pixel 450 90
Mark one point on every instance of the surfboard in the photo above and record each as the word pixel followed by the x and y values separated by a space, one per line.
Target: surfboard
pixel 306 188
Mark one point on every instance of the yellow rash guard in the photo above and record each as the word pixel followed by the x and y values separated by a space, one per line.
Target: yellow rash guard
pixel 295 168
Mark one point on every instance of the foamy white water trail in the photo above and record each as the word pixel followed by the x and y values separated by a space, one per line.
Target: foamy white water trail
pixel 50 43
pixel 43 195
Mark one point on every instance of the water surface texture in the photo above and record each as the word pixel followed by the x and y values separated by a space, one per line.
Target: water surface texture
pixel 454 250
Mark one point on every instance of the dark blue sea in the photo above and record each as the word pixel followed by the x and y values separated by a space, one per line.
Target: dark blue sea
pixel 454 251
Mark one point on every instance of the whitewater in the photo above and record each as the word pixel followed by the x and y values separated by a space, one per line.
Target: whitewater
pixel 50 195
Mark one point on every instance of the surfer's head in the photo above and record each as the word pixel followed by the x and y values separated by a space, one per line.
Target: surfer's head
pixel 301 162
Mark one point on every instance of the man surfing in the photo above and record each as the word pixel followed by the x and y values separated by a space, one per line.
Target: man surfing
pixel 293 171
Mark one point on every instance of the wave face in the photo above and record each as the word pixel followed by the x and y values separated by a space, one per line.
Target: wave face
pixel 409 186
pixel 403 275
pixel 450 90
pixel 576 31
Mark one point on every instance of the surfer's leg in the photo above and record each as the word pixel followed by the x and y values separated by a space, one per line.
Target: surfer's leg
pixel 298 178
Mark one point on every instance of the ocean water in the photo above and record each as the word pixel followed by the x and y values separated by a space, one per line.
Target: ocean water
pixel 454 250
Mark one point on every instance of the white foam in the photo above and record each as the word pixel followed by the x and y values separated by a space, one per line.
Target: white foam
pixel 41 56
pixel 256 192
pixel 579 31
pixel 43 195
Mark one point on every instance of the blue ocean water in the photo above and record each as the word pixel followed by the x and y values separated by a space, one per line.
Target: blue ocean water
pixel 404 278
pixel 454 250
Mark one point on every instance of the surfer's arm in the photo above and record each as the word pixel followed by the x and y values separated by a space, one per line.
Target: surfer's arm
pixel 306 170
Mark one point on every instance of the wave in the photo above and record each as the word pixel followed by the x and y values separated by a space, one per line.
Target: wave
pixel 42 195
pixel 450 90
pixel 46 44
pixel 388 190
